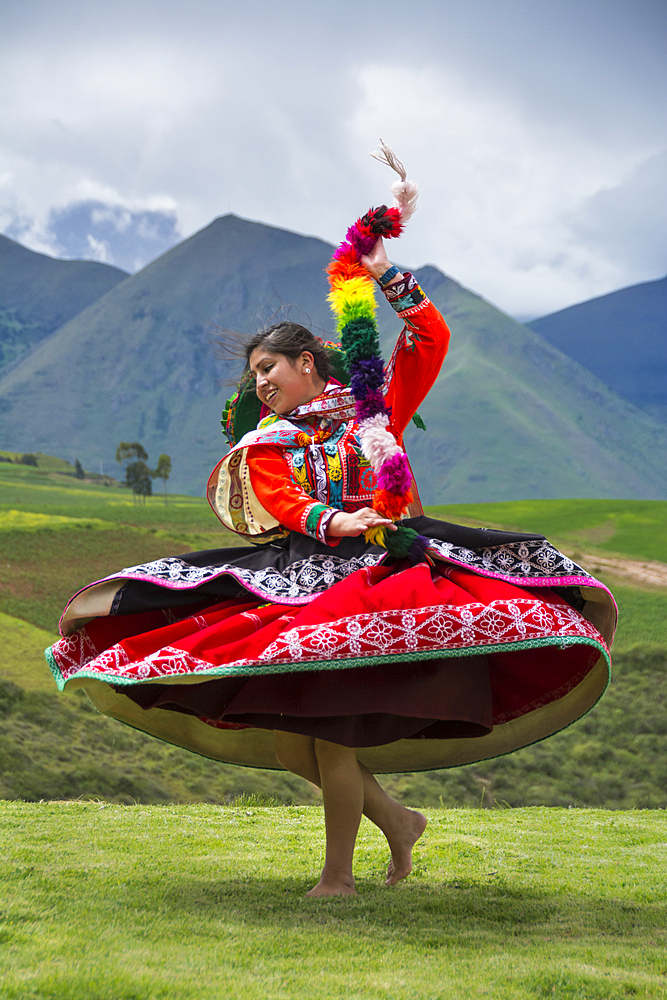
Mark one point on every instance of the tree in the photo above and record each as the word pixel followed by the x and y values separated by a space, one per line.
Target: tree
pixel 137 473
pixel 163 471
pixel 78 470
pixel 28 459
pixel 138 478
pixel 126 451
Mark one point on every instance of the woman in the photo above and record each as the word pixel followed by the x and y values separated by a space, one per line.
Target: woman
pixel 317 651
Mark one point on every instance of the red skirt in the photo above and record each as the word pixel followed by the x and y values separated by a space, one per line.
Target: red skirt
pixel 417 666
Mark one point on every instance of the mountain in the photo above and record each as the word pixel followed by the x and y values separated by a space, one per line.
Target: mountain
pixel 515 418
pixel 510 416
pixel 39 293
pixel 621 338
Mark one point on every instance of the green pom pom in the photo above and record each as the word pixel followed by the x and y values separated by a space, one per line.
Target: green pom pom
pixel 359 340
pixel 399 542
pixel 406 543
pixel 417 420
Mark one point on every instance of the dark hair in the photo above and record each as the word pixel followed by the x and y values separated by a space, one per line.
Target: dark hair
pixel 291 340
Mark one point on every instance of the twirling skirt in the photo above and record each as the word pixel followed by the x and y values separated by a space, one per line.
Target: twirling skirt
pixel 495 642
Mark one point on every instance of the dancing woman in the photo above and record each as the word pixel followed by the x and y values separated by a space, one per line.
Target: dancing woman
pixel 352 639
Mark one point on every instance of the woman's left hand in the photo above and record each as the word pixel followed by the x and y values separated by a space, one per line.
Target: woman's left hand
pixel 376 262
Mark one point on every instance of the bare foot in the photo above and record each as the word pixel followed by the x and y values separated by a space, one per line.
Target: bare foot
pixel 400 865
pixel 333 885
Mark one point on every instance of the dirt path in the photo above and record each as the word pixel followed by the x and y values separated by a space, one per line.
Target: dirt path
pixel 640 572
pixel 635 571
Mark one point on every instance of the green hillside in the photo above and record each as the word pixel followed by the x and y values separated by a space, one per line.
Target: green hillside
pixel 56 746
pixel 512 418
pixel 509 418
pixel 39 293
pixel 622 338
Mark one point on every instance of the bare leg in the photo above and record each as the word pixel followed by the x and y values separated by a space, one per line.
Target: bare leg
pixel 343 799
pixel 402 827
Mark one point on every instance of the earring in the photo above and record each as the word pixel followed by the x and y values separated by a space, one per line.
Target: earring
pixel 307 371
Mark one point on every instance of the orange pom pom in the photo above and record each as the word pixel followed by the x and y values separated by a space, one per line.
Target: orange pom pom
pixel 392 505
pixel 344 269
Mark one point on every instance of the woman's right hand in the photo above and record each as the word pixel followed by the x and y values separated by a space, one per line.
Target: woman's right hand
pixel 356 522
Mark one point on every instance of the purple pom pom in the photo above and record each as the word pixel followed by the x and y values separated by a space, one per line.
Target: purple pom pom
pixel 366 375
pixel 417 551
pixel 394 474
pixel 370 405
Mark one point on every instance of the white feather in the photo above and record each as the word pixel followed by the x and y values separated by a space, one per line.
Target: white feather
pixel 405 195
pixel 377 442
pixel 405 192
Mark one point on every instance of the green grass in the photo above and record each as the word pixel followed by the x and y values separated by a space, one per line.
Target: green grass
pixel 22 654
pixel 642 616
pixel 56 747
pixel 31 490
pixel 44 462
pixel 41 570
pixel 636 528
pixel 613 757
pixel 107 902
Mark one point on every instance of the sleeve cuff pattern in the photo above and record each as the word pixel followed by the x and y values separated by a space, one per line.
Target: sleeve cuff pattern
pixel 404 294
pixel 317 519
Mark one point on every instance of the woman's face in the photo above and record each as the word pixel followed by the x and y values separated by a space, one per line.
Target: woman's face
pixel 283 383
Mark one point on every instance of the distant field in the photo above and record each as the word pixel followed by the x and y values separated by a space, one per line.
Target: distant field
pixel 41 569
pixel 637 528
pixel 58 533
pixel 39 491
pixel 44 462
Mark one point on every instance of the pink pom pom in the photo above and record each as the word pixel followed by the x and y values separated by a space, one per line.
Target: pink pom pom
pixel 361 238
pixel 394 476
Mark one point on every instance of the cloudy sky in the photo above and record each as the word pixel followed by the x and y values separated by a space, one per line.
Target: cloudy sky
pixel 537 130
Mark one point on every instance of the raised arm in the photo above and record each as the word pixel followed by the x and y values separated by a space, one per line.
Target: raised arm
pixel 419 356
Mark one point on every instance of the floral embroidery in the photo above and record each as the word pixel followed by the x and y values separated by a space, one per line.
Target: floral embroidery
pixel 392 635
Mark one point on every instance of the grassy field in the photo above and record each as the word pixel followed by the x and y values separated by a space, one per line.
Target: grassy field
pixel 636 528
pixel 107 902
pixel 45 490
pixel 57 746
pixel 58 533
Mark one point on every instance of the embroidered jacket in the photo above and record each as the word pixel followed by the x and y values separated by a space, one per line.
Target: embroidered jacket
pixel 296 471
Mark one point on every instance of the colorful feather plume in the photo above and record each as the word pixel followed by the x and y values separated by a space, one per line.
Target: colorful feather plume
pixel 352 298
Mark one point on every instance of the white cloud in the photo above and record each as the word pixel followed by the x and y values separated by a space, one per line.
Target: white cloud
pixel 534 130
pixel 500 191
pixel 99 250
pixel 628 221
